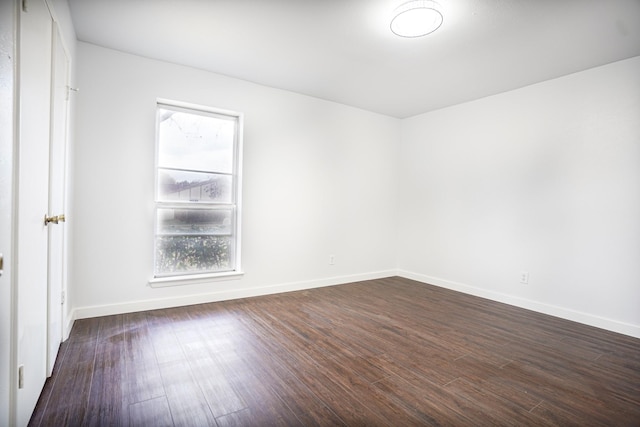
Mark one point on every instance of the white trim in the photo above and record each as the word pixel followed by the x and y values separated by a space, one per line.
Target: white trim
pixel 160 282
pixel 239 147
pixel 153 304
pixel 9 142
pixel 67 325
pixel 235 205
pixel 191 106
pixel 552 310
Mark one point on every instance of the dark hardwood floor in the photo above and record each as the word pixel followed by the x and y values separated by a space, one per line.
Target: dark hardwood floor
pixel 388 352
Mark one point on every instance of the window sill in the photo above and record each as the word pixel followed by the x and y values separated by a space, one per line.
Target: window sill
pixel 161 282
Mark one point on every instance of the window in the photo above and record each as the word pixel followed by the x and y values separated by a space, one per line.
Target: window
pixel 197 228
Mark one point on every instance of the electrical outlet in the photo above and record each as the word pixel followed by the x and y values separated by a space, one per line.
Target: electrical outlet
pixel 332 259
pixel 524 277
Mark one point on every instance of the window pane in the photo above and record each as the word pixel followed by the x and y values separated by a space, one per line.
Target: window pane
pixel 194 221
pixel 195 142
pixel 197 190
pixel 193 186
pixel 180 254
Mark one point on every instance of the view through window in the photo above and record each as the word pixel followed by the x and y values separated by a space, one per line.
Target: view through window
pixel 197 191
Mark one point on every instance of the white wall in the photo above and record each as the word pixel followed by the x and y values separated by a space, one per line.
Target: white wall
pixel 544 179
pixel 319 179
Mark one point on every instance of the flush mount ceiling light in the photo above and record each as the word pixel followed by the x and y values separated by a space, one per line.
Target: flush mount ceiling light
pixel 416 18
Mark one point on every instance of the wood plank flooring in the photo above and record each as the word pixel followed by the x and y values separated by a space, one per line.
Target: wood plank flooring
pixel 389 352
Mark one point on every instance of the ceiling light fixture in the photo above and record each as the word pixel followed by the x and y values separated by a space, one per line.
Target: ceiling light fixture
pixel 416 18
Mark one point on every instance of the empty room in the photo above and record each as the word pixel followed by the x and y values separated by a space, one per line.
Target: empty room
pixel 320 212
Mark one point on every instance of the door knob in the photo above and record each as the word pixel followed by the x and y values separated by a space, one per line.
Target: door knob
pixel 54 219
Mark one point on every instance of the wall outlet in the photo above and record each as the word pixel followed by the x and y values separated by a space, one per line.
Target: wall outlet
pixel 524 277
pixel 332 259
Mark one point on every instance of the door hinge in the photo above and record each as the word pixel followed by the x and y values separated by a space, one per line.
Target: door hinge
pixel 24 6
pixel 62 296
pixel 21 376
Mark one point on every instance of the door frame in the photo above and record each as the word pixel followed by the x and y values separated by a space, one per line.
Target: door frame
pixel 57 302
pixel 9 21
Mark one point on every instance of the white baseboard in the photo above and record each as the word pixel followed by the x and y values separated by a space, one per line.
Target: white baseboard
pixel 67 325
pixel 154 304
pixel 552 310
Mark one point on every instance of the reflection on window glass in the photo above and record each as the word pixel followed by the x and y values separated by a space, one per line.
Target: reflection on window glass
pixel 195 142
pixel 193 186
pixel 194 221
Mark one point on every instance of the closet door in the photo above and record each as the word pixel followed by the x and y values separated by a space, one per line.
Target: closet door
pixel 34 68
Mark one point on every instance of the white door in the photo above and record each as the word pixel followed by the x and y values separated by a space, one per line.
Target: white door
pixel 33 198
pixel 57 183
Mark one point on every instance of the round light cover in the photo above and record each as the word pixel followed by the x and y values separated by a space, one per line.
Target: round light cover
pixel 416 18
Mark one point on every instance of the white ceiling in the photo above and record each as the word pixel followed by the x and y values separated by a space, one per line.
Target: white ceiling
pixel 343 50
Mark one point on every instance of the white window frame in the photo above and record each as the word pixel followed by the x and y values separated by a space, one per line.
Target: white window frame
pixel 199 277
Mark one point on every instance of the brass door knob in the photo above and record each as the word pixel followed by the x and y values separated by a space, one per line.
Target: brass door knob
pixel 54 219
